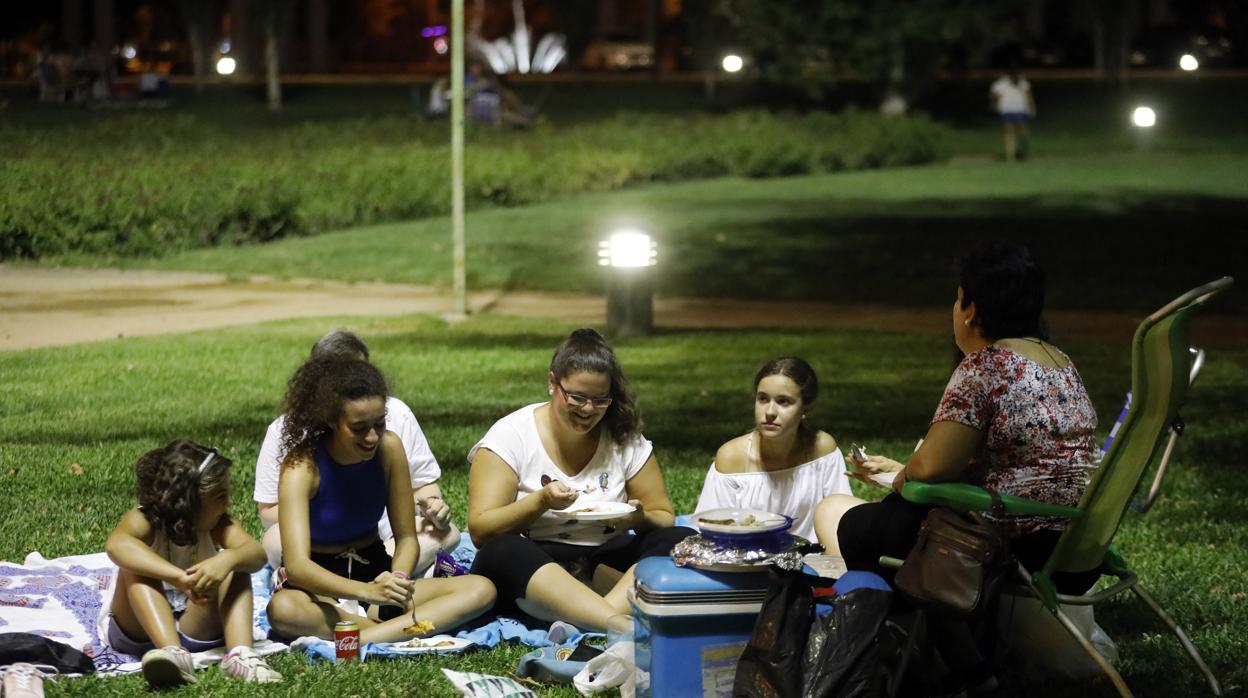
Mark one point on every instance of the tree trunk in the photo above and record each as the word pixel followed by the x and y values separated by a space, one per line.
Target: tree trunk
pixel 195 34
pixel 271 61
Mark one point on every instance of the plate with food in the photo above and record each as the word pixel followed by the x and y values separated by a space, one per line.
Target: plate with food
pixel 740 521
pixel 595 511
pixel 435 644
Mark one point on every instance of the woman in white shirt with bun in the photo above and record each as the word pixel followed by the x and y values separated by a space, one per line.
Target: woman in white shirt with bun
pixel 782 465
pixel 580 451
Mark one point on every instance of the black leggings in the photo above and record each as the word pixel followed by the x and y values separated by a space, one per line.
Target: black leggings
pixel 891 527
pixel 510 560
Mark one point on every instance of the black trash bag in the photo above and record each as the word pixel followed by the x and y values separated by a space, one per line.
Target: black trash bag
pixel 851 650
pixel 36 649
pixel 771 665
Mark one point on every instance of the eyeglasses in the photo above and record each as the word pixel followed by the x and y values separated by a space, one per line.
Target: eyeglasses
pixel 578 401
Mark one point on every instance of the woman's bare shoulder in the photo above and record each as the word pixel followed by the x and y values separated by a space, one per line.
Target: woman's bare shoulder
pixel 733 456
pixel 824 444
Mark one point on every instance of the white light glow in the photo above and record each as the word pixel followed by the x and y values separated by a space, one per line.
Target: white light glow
pixel 226 66
pixel 129 52
pixel 1144 117
pixel 733 63
pixel 1188 62
pixel 627 248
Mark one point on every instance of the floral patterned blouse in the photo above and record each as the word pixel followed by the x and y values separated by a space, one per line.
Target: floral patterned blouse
pixel 1038 426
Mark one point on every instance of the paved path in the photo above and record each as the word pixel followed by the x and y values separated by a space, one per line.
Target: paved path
pixel 49 307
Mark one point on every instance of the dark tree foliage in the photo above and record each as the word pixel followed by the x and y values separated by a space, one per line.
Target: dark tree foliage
pixel 898 46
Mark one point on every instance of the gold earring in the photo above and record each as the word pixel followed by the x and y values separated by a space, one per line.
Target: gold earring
pixel 967 322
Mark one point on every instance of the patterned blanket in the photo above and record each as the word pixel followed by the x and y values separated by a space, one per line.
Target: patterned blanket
pixel 67 600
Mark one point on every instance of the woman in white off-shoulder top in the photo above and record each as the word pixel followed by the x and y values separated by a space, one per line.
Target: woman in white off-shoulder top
pixel 782 465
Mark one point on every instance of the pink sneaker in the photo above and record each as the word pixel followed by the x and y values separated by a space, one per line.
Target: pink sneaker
pixel 22 680
pixel 243 663
pixel 166 667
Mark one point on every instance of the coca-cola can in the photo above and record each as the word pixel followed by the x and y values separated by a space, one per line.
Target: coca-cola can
pixel 347 641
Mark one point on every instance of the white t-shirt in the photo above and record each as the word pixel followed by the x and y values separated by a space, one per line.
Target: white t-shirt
pixel 515 439
pixel 794 491
pixel 399 419
pixel 1011 98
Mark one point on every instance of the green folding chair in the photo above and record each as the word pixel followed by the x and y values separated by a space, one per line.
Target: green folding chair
pixel 1161 371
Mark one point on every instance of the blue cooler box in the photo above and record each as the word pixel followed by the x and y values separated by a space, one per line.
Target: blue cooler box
pixel 690 627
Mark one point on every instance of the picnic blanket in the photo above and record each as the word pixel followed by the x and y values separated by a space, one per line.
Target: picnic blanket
pixel 67 600
pixel 485 632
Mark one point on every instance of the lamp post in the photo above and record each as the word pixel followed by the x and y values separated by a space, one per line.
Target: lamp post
pixel 628 256
pixel 1143 119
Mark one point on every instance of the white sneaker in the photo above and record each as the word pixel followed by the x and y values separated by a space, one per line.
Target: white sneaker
pixel 243 663
pixel 166 667
pixel 22 680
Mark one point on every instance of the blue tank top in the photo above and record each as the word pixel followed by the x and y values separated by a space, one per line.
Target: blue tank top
pixel 349 500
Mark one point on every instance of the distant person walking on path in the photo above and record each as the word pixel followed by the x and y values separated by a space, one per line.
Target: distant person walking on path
pixel 1012 99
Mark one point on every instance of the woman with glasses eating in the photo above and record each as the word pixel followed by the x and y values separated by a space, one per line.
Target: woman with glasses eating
pixel 565 496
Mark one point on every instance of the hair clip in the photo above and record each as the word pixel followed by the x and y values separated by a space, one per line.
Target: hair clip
pixel 204 464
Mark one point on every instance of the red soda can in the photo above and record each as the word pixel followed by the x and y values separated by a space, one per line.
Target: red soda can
pixel 347 641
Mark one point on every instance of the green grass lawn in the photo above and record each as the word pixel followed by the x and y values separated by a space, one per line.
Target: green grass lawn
pixel 1120 232
pixel 101 405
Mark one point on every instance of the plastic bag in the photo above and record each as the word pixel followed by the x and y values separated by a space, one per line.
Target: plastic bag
pixel 486 686
pixel 849 651
pixel 771 664
pixel 613 668
pixel 1040 648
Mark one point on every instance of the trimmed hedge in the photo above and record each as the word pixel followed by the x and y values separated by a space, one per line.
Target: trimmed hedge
pixel 147 184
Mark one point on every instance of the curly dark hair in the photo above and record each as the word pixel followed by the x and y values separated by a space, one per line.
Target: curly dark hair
pixel 586 350
pixel 172 481
pixel 314 398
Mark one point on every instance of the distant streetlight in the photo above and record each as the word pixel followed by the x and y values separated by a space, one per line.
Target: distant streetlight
pixel 732 63
pixel 226 66
pixel 629 254
pixel 1188 62
pixel 1144 117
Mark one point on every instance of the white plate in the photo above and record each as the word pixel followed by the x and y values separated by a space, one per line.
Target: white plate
pixel 597 511
pixel 425 645
pixel 764 521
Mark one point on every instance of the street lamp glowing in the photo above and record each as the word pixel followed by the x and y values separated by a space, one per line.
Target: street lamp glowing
pixel 1188 62
pixel 1144 117
pixel 732 63
pixel 226 66
pixel 627 248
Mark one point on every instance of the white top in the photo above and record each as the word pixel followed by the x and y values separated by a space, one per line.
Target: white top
pixel 399 419
pixel 794 491
pixel 1011 98
pixel 182 556
pixel 515 439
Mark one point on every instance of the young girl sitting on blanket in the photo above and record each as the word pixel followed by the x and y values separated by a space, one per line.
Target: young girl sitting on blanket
pixel 178 546
pixel 341 470
pixel 782 465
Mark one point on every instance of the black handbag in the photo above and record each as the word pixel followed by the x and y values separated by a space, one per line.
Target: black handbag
pixel 36 649
pixel 956 564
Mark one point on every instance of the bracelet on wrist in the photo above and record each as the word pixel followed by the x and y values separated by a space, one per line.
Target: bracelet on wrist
pixel 400 574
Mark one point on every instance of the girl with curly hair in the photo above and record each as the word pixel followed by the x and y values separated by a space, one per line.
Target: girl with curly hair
pixel 565 496
pixel 184 565
pixel 342 469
